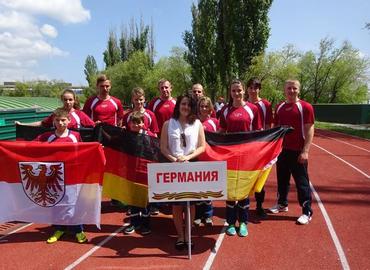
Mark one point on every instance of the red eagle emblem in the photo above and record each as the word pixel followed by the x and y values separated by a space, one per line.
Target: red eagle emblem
pixel 43 182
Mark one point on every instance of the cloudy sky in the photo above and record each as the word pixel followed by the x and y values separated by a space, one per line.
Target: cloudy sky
pixel 50 39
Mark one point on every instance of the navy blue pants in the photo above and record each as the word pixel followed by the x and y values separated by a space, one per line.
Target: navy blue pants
pixel 203 209
pixel 260 197
pixel 287 165
pixel 140 216
pixel 237 211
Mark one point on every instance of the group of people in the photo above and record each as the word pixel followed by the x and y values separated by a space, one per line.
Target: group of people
pixel 181 123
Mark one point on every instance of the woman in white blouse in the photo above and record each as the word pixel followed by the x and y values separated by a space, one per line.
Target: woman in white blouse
pixel 182 140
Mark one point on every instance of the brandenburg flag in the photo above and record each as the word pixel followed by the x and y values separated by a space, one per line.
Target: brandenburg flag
pixel 57 183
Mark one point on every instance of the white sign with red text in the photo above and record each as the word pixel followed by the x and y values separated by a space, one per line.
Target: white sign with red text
pixel 188 181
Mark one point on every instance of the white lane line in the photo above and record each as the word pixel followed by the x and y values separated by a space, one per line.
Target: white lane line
pixel 91 251
pixel 332 232
pixel 215 249
pixel 16 230
pixel 349 164
pixel 361 148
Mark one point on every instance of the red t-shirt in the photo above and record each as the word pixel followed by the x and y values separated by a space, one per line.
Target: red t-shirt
pixel 108 111
pixel 211 124
pixel 264 113
pixel 78 119
pixel 295 115
pixel 50 136
pixel 150 121
pixel 244 118
pixel 163 109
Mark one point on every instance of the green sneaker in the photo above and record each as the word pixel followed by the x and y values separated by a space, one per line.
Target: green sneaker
pixel 231 230
pixel 243 230
pixel 55 237
pixel 81 237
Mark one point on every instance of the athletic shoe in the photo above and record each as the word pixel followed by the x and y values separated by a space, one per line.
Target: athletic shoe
pixel 145 230
pixel 55 237
pixel 208 222
pixel 304 219
pixel 81 237
pixel 261 212
pixel 243 230
pixel 278 208
pixel 197 222
pixel 154 211
pixel 129 229
pixel 231 230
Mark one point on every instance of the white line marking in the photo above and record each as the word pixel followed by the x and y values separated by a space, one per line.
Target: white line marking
pixel 333 235
pixel 347 135
pixel 361 148
pixel 16 230
pixel 91 251
pixel 215 249
pixel 349 164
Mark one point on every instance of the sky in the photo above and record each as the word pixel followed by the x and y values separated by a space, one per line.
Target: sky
pixel 50 39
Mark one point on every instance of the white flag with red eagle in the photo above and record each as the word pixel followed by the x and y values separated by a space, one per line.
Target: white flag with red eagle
pixel 57 183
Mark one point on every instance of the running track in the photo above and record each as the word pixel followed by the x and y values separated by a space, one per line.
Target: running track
pixel 338 237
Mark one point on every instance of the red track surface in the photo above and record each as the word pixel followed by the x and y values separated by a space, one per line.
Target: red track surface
pixel 275 243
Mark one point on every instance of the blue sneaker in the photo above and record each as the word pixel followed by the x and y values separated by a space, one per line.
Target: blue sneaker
pixel 231 230
pixel 243 230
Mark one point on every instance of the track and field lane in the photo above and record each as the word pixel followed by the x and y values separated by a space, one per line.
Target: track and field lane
pixel 345 194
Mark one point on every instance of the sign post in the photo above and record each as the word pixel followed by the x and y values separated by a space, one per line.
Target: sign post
pixel 188 181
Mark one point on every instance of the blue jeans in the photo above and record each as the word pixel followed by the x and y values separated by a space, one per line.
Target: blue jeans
pixel 237 210
pixel 287 165
pixel 203 209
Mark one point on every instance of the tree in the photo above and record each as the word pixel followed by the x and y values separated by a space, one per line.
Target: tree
pixel 112 54
pixel 201 43
pixel 331 75
pixel 225 37
pixel 140 38
pixel 91 70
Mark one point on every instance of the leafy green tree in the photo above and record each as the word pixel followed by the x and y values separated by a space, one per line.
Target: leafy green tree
pixel 91 70
pixel 112 54
pixel 139 38
pixel 202 44
pixel 225 37
pixel 332 75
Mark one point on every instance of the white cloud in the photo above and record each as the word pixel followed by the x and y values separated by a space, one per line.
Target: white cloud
pixel 66 11
pixel 49 30
pixel 24 41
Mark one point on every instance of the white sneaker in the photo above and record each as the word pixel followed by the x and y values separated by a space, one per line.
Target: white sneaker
pixel 197 222
pixel 304 219
pixel 278 208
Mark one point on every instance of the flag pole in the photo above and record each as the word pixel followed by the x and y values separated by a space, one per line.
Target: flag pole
pixel 189 229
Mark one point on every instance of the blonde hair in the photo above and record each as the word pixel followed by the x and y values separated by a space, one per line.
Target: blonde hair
pixel 293 81
pixel 208 101
pixel 138 91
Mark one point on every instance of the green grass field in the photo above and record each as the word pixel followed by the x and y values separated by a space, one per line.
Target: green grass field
pixel 363 133
pixel 42 103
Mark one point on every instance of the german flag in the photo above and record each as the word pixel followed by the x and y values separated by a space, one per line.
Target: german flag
pixel 249 156
pixel 127 155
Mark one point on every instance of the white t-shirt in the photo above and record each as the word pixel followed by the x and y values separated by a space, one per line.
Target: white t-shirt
pixel 175 144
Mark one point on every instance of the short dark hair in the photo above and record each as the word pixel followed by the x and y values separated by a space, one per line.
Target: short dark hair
pixel 193 108
pixel 102 78
pixel 254 82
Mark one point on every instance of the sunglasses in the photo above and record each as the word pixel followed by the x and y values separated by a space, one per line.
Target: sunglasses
pixel 183 140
